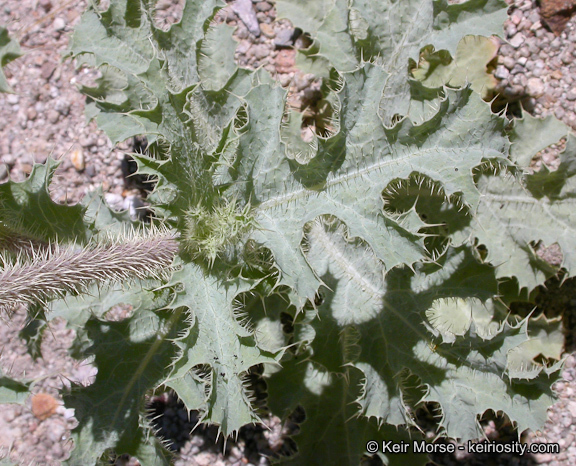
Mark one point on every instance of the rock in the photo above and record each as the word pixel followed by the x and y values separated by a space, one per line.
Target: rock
pixel 501 72
pixel 556 13
pixel 522 80
pixel 53 116
pixel 517 40
pixel 285 61
pixel 518 69
pixel 535 87
pixel 267 30
pixel 516 17
pixel 513 91
pixel 511 30
pixel 47 69
pixel 555 44
pixel 302 81
pixel 509 62
pixel 246 13
pixel 534 16
pixel 88 140
pixel 543 458
pixel 556 74
pixel 263 6
pixel 31 113
pixel 566 57
pixel 285 38
pixel 62 106
pixel 541 33
pixel 13 99
pixel 533 48
pixel 285 79
pixel 59 24
pixel 559 113
pixel 243 47
pixel 261 51
pixel 242 32
pixel 77 158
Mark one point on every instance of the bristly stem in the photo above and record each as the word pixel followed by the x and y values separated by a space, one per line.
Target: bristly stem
pixel 53 273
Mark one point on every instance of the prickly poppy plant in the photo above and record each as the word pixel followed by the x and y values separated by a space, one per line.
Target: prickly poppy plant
pixel 368 271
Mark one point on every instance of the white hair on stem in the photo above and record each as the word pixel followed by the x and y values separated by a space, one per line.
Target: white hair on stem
pixel 59 270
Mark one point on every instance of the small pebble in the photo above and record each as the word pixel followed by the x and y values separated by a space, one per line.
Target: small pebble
pixel 31 113
pixel 62 106
pixel 263 6
pixel 47 69
pixel 267 30
pixel 535 87
pixel 246 13
pixel 59 24
pixel 77 158
pixel 511 30
pixel 501 72
pixel 261 51
pixel 517 40
pixel 284 38
pixel 53 116
pixel 516 17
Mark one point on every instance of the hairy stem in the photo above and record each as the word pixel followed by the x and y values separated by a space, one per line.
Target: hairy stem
pixel 63 270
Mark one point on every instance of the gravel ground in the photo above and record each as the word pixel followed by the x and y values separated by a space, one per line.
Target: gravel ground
pixel 536 69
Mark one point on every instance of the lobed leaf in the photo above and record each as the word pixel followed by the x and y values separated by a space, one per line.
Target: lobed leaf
pixel 390 33
pixel 132 358
pixel 382 214
pixel 9 51
pixel 215 351
pixel 27 208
